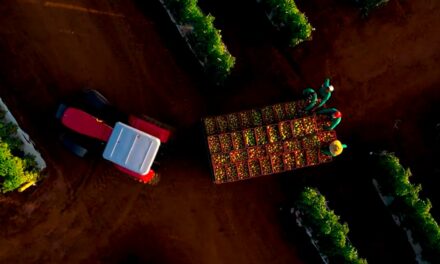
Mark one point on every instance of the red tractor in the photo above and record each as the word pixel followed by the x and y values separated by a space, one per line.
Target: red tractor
pixel 131 143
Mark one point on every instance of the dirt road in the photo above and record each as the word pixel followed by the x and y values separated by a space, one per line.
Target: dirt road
pixel 385 69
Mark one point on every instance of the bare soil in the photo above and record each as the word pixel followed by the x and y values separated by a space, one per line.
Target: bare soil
pixel 385 70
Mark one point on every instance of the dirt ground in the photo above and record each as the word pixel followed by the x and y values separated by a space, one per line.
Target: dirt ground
pixel 385 70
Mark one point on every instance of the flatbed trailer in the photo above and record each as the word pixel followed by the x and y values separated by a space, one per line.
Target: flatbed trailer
pixel 265 141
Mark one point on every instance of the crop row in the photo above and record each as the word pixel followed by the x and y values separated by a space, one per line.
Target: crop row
pixel 412 211
pixel 324 229
pixel 286 17
pixel 201 36
pixel 16 167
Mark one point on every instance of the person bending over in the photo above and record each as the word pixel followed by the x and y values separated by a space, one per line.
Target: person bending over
pixel 334 149
pixel 325 92
pixel 334 115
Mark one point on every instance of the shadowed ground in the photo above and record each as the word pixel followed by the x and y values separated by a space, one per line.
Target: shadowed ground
pixel 385 69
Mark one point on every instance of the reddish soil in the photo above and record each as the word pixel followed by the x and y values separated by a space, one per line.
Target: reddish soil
pixel 386 73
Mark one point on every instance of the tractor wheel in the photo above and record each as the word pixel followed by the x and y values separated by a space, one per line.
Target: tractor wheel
pixel 73 146
pixel 60 111
pixel 95 99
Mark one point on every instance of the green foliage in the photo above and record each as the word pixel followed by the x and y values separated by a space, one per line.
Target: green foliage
pixel 7 134
pixel 368 5
pixel 415 211
pixel 31 164
pixel 204 38
pixel 13 170
pixel 324 223
pixel 286 16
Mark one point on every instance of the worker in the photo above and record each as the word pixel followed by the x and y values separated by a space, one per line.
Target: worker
pixel 334 149
pixel 334 115
pixel 325 92
pixel 311 97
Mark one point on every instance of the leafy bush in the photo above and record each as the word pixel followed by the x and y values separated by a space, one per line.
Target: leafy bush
pixel 16 169
pixel 285 15
pixel 204 38
pixel 331 236
pixel 368 5
pixel 394 181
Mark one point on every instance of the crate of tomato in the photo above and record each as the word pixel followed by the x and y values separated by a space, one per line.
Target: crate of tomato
pixel 264 141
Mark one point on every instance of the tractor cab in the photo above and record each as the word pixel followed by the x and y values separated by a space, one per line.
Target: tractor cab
pixel 131 149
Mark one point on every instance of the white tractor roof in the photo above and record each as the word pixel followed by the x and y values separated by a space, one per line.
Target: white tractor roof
pixel 131 148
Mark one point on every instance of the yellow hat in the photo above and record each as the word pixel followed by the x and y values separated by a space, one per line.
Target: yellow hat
pixel 336 148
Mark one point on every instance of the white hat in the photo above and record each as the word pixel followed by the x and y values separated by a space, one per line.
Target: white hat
pixel 331 88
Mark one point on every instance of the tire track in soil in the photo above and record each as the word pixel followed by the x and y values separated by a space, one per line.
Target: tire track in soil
pixel 84 180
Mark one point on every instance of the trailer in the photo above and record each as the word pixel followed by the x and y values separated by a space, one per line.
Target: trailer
pixel 264 141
